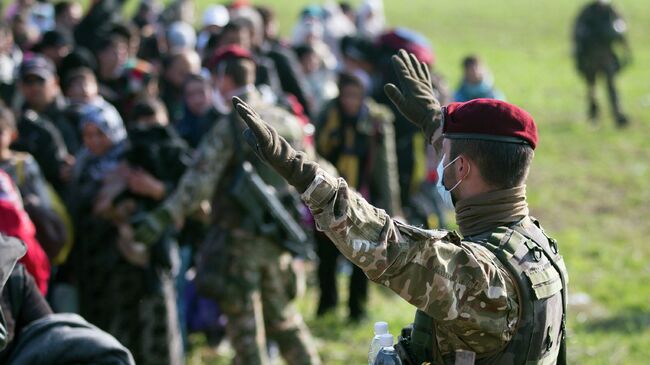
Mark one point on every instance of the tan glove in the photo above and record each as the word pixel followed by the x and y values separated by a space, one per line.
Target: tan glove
pixel 415 100
pixel 271 148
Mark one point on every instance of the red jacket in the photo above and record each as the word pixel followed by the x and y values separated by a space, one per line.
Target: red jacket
pixel 15 222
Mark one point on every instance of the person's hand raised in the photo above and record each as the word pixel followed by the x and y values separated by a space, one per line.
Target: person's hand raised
pixel 415 98
pixel 275 150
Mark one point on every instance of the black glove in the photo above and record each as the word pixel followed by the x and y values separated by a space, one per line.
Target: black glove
pixel 415 100
pixel 275 150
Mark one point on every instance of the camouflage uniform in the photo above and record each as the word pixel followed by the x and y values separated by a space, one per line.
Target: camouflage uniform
pixel 249 274
pixel 471 298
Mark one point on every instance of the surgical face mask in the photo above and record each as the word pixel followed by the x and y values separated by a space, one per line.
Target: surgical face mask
pixel 445 194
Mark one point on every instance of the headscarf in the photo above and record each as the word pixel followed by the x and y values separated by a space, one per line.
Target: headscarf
pixel 105 117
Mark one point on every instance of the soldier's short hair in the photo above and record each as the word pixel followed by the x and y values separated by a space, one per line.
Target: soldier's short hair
pixel 502 165
pixel 7 120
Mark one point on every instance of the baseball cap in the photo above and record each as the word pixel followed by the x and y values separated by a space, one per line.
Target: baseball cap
pixel 37 65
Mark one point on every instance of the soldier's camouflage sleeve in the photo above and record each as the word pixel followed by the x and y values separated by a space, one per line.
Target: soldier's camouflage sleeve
pixel 459 284
pixel 200 179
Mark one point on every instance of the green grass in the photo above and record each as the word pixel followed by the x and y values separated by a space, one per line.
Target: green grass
pixel 589 185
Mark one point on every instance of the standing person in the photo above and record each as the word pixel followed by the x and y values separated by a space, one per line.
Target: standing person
pixel 15 222
pixel 320 81
pixel 43 129
pixel 292 79
pixel 10 59
pixel 176 68
pixel 356 135
pixel 249 271
pixel 123 290
pixel 477 82
pixel 497 288
pixel 199 112
pixel 598 30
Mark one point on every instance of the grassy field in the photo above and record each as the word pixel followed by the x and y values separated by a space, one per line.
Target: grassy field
pixel 589 184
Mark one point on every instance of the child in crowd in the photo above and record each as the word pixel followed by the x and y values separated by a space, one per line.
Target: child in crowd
pixel 477 82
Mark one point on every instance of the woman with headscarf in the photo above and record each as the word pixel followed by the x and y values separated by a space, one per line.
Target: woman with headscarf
pixel 122 288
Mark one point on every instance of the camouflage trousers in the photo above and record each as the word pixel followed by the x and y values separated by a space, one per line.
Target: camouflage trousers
pixel 258 288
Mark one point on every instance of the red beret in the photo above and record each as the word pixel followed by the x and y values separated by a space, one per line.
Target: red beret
pixel 228 52
pixel 490 120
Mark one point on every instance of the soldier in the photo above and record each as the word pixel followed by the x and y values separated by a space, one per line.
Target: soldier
pixel 598 30
pixel 356 135
pixel 247 270
pixel 497 292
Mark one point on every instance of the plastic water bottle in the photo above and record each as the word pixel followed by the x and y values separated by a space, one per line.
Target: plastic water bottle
pixel 387 355
pixel 381 328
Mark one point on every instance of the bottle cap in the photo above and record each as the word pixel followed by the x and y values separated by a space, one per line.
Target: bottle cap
pixel 381 328
pixel 386 340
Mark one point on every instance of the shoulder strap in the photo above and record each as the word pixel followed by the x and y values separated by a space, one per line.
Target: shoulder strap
pixel 561 360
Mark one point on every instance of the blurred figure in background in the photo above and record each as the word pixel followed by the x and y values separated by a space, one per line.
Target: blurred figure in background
pixel 67 14
pixel 291 77
pixel 43 129
pixel 356 135
pixel 199 113
pixel 320 81
pixel 15 222
pixel 124 287
pixel 371 21
pixel 10 58
pixel 176 68
pixel 215 17
pixel 601 48
pixel 477 82
pixel 310 31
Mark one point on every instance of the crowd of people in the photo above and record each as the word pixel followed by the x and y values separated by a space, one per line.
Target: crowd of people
pixel 122 159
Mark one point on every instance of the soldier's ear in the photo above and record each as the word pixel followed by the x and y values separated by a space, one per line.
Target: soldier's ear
pixel 464 166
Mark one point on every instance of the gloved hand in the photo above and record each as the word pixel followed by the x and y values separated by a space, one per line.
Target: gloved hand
pixel 150 227
pixel 415 100
pixel 275 150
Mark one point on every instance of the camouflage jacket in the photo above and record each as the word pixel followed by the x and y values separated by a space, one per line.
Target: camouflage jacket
pixel 461 285
pixel 215 153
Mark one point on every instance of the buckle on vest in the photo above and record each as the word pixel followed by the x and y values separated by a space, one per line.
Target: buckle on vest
pixel 553 245
pixel 537 253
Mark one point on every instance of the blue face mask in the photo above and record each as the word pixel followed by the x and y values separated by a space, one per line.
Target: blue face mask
pixel 445 194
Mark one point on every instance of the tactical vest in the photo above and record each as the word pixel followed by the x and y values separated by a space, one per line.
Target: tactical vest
pixel 533 260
